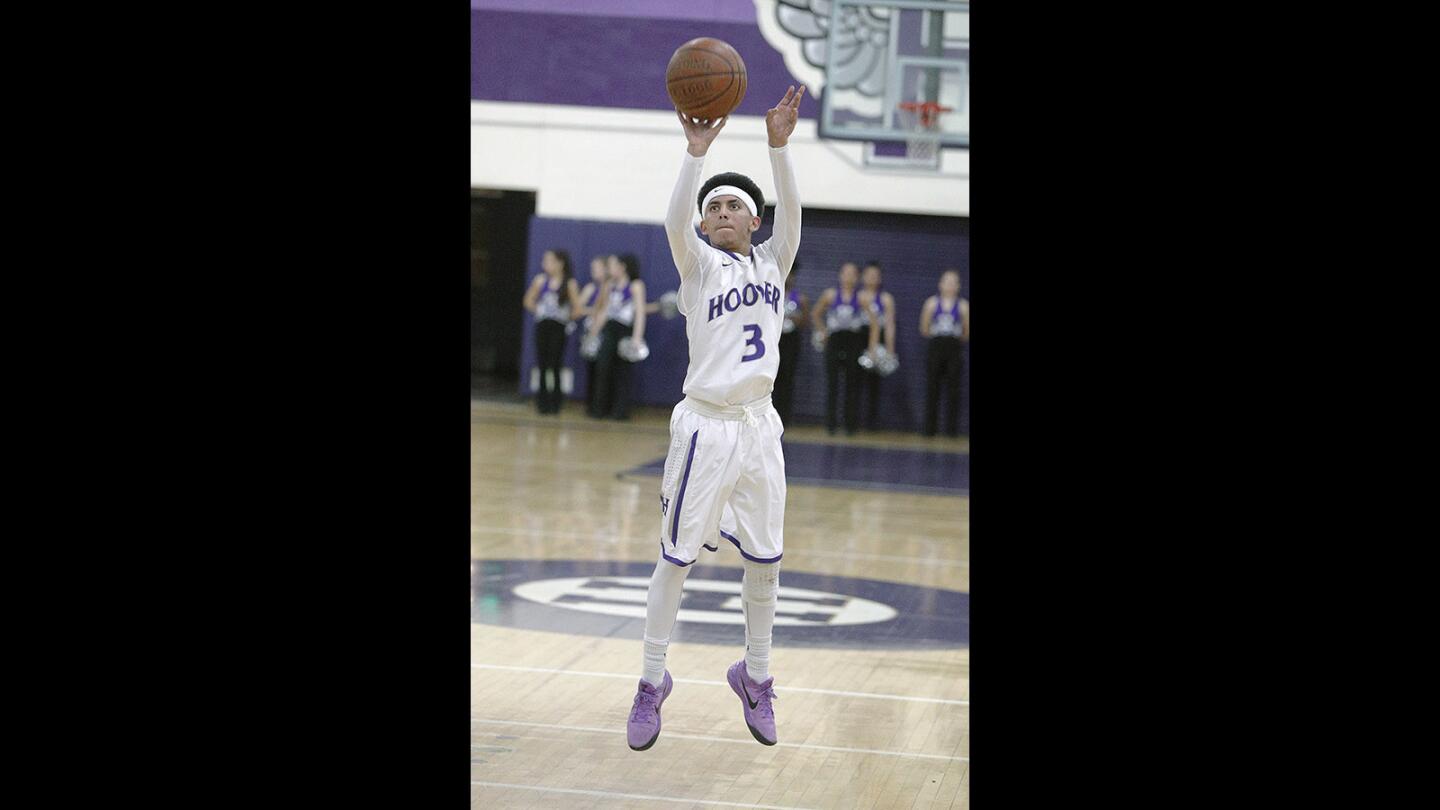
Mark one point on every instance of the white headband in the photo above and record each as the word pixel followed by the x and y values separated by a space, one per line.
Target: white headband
pixel 719 191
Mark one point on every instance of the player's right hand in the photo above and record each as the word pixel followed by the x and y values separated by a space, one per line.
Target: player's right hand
pixel 700 132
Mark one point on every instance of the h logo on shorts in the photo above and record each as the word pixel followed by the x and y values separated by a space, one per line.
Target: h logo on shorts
pixel 664 505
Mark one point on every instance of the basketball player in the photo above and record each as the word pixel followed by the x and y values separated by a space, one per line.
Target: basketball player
pixel 879 308
pixel 551 296
pixel 945 321
pixel 841 316
pixel 624 316
pixel 796 311
pixel 725 434
pixel 591 296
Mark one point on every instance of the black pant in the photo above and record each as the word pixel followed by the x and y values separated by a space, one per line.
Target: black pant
pixel 870 384
pixel 612 374
pixel 842 359
pixel 550 351
pixel 785 377
pixel 590 384
pixel 943 362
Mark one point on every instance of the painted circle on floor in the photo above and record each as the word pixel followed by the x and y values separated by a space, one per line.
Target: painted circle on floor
pixel 608 599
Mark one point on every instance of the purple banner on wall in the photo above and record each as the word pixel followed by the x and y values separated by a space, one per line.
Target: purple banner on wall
pixel 615 61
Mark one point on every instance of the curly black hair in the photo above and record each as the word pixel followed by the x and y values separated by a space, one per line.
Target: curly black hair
pixel 737 180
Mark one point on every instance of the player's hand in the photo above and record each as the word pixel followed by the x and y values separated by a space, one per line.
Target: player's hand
pixel 780 119
pixel 700 132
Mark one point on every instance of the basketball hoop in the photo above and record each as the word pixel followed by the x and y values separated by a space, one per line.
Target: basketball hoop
pixel 922 118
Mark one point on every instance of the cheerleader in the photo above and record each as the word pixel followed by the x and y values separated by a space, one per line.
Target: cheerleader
pixel 622 315
pixel 879 308
pixel 551 297
pixel 945 322
pixel 591 297
pixel 840 322
pixel 793 327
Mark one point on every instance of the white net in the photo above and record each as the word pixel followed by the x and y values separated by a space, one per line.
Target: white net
pixel 922 147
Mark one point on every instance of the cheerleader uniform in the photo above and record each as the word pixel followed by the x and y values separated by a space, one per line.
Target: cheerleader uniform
pixel 871 378
pixel 848 335
pixel 551 317
pixel 944 362
pixel 612 372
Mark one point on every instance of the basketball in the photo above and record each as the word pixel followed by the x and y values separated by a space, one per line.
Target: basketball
pixel 706 78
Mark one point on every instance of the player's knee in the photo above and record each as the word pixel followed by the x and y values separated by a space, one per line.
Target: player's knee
pixel 667 573
pixel 761 583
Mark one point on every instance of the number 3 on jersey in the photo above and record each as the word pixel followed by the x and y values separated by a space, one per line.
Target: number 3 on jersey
pixel 755 341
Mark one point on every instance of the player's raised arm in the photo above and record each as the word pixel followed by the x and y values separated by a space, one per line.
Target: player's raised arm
pixel 685 246
pixel 779 124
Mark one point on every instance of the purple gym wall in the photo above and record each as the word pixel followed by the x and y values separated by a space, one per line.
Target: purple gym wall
pixel 913 250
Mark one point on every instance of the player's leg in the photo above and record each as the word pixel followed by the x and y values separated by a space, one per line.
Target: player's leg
pixel 758 503
pixel 691 494
pixel 662 605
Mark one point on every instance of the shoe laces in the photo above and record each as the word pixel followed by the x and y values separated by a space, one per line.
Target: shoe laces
pixel 645 701
pixel 762 703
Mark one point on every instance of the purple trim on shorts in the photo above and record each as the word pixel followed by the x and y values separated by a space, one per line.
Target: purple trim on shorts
pixel 774 559
pixel 680 496
pixel 670 559
pixel 710 548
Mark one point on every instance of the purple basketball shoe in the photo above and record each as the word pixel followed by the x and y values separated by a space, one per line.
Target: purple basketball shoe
pixel 644 726
pixel 755 700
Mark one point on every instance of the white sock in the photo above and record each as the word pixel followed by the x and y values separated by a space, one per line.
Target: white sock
pixel 662 603
pixel 757 599
pixel 654 671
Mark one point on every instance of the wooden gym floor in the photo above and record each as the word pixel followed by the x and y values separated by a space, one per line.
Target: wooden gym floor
pixel 872 669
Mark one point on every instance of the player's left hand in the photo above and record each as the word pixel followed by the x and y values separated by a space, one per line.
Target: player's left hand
pixel 780 119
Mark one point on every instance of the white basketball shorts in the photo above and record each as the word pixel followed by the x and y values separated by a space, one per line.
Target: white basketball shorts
pixel 724 480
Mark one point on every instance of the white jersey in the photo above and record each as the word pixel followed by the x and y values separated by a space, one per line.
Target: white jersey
pixel 733 304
